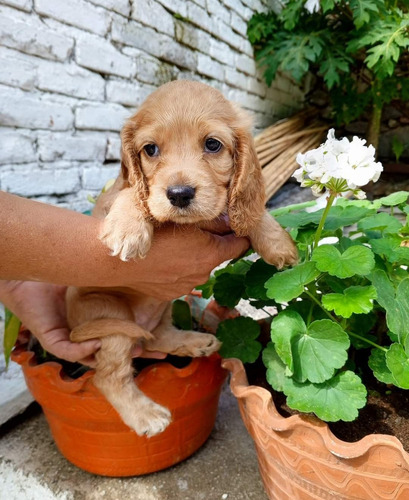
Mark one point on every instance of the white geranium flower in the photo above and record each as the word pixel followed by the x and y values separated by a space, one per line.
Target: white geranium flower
pixel 312 6
pixel 338 166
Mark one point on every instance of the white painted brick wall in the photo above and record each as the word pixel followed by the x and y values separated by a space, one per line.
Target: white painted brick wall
pixel 72 71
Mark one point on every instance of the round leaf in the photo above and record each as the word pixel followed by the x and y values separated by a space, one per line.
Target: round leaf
pixel 337 399
pixel 377 363
pixel 258 274
pixel 355 260
pixel 354 300
pixel 398 363
pixel 284 327
pixel 238 336
pixel 394 199
pixel 318 351
pixel 290 283
pixel 276 369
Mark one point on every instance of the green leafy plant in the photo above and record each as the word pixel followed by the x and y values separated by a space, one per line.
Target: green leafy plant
pixel 357 49
pixel 343 310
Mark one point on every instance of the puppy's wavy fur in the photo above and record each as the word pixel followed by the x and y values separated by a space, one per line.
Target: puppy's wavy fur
pixel 178 118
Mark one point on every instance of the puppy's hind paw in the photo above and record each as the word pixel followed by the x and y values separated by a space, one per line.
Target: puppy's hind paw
pixel 150 420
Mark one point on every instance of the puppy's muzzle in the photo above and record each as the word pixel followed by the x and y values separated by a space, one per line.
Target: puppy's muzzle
pixel 180 196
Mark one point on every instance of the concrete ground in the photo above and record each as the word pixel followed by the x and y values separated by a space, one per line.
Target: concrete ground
pixel 225 468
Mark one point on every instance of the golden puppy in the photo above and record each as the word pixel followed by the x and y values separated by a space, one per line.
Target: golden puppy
pixel 187 157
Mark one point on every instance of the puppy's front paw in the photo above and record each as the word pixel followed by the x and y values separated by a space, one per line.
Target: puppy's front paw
pixel 280 253
pixel 150 419
pixel 130 238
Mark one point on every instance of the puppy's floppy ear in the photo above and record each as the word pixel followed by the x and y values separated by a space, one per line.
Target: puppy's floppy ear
pixel 131 165
pixel 246 203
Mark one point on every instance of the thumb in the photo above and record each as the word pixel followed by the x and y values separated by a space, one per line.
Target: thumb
pixel 231 246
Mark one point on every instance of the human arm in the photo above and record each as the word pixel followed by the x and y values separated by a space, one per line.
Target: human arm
pixel 40 242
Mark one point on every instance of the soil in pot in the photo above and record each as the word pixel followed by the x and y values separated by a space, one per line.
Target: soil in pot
pixel 386 412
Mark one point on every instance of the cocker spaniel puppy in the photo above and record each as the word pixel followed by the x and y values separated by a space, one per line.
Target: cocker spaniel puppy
pixel 187 157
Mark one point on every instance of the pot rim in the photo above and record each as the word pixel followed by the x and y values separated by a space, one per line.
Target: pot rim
pixel 272 419
pixel 65 383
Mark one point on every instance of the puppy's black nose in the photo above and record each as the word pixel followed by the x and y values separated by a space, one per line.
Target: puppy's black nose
pixel 180 196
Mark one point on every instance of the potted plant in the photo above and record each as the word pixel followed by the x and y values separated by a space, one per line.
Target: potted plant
pixel 340 333
pixel 90 433
pixel 355 50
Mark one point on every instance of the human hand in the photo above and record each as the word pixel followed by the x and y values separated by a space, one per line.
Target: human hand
pixel 182 257
pixel 41 309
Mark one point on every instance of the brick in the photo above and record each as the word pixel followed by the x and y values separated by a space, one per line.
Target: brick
pixel 95 176
pixel 99 55
pixel 104 116
pixel 217 9
pixel 237 7
pixel 119 6
pixel 247 48
pixel 113 148
pixel 77 13
pixel 16 146
pixel 71 80
pixel 225 33
pixel 256 87
pixel 135 35
pixel 20 109
pixel 17 69
pixel 33 181
pixel 238 24
pixel 222 52
pixel 236 79
pixel 81 146
pixel 152 14
pixel 150 69
pixel 26 5
pixel 175 53
pixel 246 64
pixel 27 35
pixel 208 67
pixel 193 37
pixel 128 93
pixel 176 6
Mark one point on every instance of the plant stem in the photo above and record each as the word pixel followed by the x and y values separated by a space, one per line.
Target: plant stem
pixel 374 126
pixel 367 341
pixel 330 201
pixel 331 317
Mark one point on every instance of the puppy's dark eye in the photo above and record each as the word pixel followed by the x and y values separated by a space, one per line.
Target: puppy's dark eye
pixel 151 149
pixel 212 145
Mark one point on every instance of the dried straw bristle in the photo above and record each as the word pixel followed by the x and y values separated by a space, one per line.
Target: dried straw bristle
pixel 278 145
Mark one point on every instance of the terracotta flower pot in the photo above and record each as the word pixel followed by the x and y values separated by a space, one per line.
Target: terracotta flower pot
pixel 300 458
pixel 89 432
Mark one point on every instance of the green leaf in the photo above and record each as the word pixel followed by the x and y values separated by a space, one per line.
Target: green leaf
pixel 276 369
pixel 396 304
pixel 181 315
pixel 256 277
pixel 377 363
pixel 229 289
pixel 394 199
pixel 238 336
pixel 284 327
pixel 380 222
pixel 354 300
pixel 11 330
pixel 339 398
pixel 311 353
pixel 398 363
pixel 288 284
pixel 363 11
pixel 318 352
pixel 389 248
pixel 355 260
